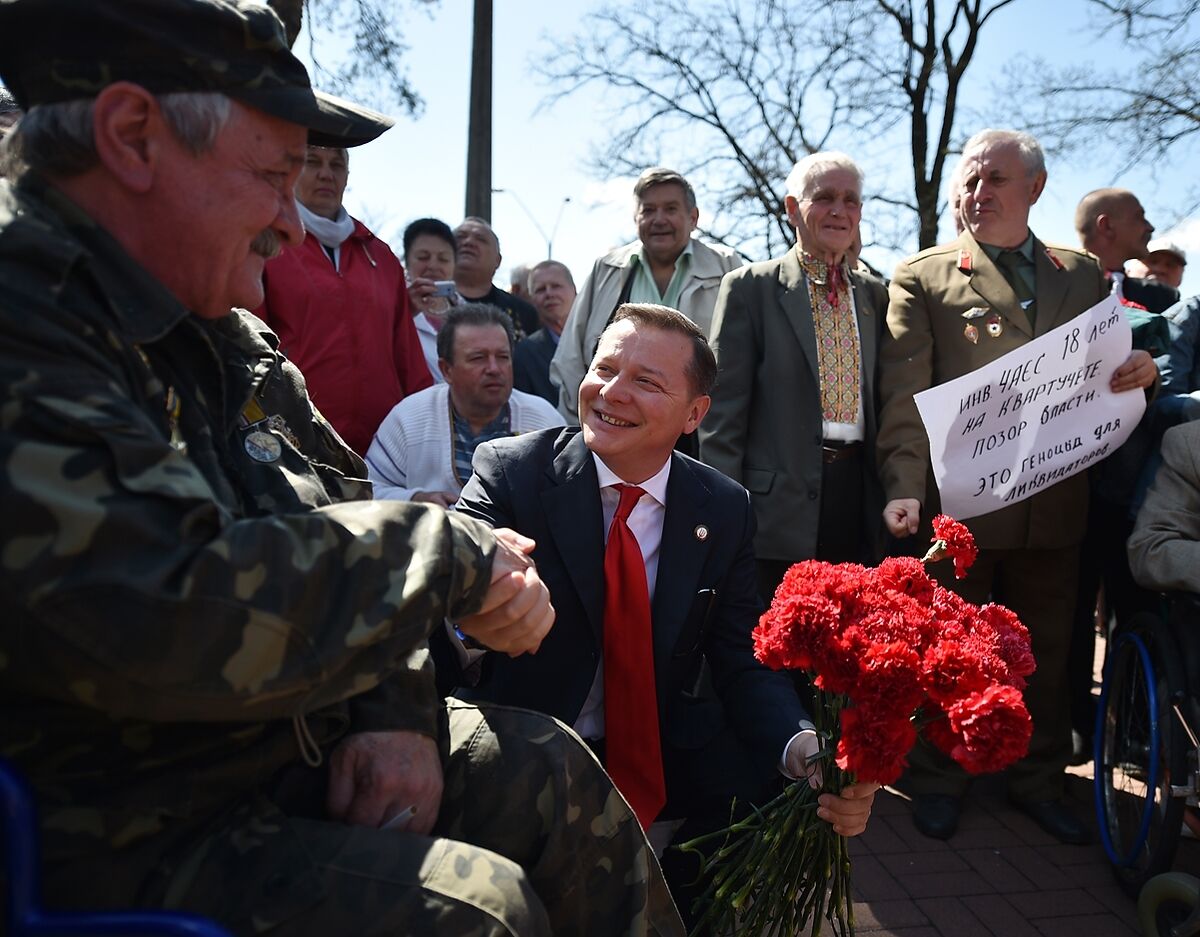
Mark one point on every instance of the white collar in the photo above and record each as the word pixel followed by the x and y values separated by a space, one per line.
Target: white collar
pixel 655 486
pixel 329 232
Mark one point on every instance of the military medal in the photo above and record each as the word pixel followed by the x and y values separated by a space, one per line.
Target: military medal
pixel 971 334
pixel 279 425
pixel 262 447
pixel 174 408
pixel 995 328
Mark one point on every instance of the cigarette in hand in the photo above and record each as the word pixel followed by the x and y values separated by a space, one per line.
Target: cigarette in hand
pixel 401 820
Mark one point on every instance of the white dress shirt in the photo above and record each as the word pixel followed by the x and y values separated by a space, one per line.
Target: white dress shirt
pixel 646 524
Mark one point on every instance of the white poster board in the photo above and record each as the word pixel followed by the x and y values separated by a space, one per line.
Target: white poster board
pixel 1035 416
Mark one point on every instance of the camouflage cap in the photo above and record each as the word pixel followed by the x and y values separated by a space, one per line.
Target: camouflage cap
pixel 61 50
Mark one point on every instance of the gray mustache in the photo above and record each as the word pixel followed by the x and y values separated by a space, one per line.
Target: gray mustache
pixel 266 244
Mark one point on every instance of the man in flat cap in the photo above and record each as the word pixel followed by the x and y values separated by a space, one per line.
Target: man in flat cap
pixel 212 643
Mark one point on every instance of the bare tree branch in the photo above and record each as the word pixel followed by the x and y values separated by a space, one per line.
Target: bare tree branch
pixel 733 93
pixel 1147 109
pixel 373 71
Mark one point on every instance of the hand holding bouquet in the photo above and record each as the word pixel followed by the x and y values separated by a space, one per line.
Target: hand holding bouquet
pixel 890 653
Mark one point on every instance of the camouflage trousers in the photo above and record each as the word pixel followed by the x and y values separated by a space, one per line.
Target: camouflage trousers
pixel 532 840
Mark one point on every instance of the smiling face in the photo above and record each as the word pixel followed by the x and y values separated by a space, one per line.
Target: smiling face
pixel 998 191
pixel 636 399
pixel 665 222
pixel 430 257
pixel 228 209
pixel 322 184
pixel 827 214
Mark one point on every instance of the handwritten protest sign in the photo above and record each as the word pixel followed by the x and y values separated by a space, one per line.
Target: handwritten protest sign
pixel 1033 417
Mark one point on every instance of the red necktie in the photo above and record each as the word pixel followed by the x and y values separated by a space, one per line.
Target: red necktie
pixel 633 751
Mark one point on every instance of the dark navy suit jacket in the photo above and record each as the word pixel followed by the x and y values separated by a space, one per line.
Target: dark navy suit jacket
pixel 705 605
pixel 531 365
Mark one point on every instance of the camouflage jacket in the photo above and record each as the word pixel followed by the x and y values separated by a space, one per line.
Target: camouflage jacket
pixel 193 580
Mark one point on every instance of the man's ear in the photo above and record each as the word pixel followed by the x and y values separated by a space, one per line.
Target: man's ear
pixel 1038 185
pixel 791 205
pixel 127 125
pixel 694 217
pixel 697 413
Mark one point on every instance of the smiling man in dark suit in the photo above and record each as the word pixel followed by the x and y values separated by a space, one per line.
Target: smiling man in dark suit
pixel 650 658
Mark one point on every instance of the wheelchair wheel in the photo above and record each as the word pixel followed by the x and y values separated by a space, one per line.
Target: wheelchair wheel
pixel 1139 751
pixel 1169 906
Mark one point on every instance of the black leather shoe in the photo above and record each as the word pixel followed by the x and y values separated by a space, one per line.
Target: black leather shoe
pixel 936 815
pixel 1054 817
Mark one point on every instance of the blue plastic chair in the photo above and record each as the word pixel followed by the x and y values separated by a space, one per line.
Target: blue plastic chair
pixel 23 915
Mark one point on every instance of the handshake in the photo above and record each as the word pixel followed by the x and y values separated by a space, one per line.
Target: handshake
pixel 516 613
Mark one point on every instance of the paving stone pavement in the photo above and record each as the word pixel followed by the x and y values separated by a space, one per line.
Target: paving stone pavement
pixel 998 875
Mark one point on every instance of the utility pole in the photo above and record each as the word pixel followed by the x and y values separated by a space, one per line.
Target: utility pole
pixel 479 127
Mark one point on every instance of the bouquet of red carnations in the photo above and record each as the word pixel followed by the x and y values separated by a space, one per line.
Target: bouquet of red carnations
pixel 890 653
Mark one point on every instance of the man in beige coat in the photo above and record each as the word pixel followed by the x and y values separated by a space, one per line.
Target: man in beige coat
pixel 953 309
pixel 666 265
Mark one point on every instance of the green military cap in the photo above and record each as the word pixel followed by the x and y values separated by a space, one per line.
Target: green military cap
pixel 62 50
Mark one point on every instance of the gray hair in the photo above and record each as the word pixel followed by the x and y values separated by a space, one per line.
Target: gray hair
pixel 519 275
pixel 475 219
pixel 1031 151
pixel 549 265
pixel 658 175
pixel 804 174
pixel 59 139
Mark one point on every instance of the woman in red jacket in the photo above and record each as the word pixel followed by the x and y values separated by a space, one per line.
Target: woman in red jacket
pixel 340 306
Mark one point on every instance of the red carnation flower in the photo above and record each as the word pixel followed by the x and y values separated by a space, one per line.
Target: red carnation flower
pixel 1012 639
pixel 952 669
pixel 875 747
pixel 906 574
pixel 890 679
pixel 995 728
pixel 950 538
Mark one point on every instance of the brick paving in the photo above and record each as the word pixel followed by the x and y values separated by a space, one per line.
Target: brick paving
pixel 998 875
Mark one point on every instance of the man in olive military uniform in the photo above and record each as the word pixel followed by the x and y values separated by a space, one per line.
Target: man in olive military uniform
pixel 953 309
pixel 212 643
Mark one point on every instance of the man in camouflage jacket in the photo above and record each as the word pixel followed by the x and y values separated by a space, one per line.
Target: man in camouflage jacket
pixel 212 643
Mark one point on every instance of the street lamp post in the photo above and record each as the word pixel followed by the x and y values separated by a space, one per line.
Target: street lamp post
pixel 548 238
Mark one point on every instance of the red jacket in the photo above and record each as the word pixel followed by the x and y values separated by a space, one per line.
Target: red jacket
pixel 350 332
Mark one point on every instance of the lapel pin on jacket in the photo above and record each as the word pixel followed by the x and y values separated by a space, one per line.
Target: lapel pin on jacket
pixel 701 532
pixel 964 260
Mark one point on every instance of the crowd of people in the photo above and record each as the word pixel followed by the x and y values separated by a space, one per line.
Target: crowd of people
pixel 408 604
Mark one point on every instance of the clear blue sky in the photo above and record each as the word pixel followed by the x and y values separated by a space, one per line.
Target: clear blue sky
pixel 419 167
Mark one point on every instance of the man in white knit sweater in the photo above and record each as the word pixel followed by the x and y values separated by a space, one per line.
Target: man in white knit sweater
pixel 422 451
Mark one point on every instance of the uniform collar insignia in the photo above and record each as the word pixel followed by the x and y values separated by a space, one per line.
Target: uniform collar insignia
pixel 1053 258
pixel 964 260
